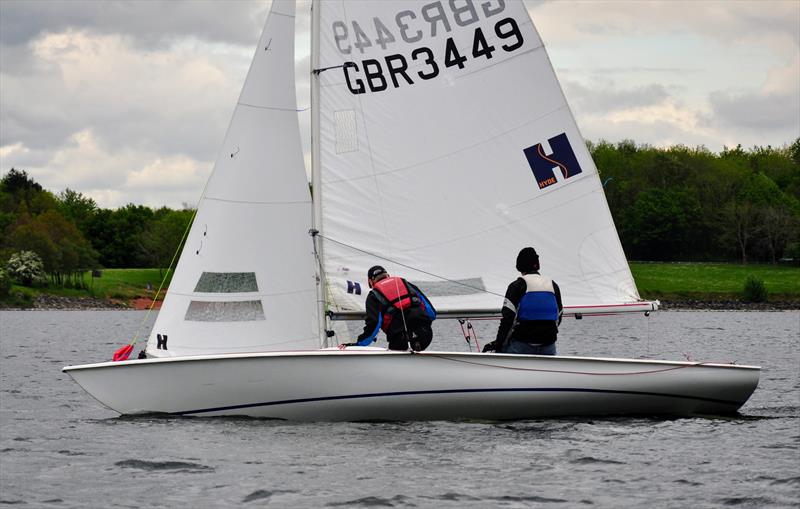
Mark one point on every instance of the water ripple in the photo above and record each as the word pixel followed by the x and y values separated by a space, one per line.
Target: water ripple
pixel 163 465
pixel 588 460
pixel 264 494
pixel 453 497
pixel 531 498
pixel 374 502
pixel 746 501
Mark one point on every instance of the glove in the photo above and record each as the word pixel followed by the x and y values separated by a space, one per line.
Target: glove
pixel 489 347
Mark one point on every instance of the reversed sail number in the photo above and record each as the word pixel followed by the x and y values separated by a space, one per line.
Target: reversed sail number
pixel 374 76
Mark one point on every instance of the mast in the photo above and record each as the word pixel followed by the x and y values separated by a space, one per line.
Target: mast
pixel 316 180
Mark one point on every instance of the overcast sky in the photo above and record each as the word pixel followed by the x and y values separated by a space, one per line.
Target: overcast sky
pixel 127 102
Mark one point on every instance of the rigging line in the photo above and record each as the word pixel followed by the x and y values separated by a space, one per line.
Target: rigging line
pixel 164 279
pixel 175 256
pixel 323 69
pixel 402 312
pixel 410 267
pixel 673 368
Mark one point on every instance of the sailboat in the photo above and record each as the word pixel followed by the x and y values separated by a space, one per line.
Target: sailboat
pixel 442 143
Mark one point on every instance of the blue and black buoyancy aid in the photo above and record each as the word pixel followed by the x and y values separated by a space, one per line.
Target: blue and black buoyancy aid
pixel 539 302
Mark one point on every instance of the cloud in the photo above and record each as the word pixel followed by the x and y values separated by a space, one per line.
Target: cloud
pixel 152 23
pixel 114 177
pixel 576 22
pixel 128 101
pixel 774 107
pixel 611 98
pixel 757 111
pixel 160 103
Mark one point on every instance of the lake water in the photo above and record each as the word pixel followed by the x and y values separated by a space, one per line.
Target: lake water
pixel 60 448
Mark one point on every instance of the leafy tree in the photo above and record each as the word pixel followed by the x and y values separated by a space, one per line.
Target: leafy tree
pixel 778 227
pixel 5 283
pixel 32 237
pixel 26 267
pixel 660 224
pixel 64 251
pixel 162 237
pixel 77 207
pixel 115 235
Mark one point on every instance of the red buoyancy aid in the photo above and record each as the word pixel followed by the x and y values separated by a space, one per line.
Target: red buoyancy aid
pixel 395 295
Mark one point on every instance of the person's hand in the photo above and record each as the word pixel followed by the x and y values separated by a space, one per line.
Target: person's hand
pixel 489 347
pixel 345 345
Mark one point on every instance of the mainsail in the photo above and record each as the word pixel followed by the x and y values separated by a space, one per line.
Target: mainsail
pixel 445 145
pixel 245 280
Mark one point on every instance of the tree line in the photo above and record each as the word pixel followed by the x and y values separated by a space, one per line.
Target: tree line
pixel 71 234
pixel 690 204
pixel 669 204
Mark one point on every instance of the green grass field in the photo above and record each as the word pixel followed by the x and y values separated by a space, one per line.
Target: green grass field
pixel 666 281
pixel 712 281
pixel 127 283
pixel 118 284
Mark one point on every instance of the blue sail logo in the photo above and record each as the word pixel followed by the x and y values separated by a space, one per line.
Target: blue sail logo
pixel 562 159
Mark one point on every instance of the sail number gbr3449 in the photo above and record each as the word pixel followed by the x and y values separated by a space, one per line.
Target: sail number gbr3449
pixel 373 75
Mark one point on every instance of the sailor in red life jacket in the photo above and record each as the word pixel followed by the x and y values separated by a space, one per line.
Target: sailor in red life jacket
pixel 398 308
pixel 531 311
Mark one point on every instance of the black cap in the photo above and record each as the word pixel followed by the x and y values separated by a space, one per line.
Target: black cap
pixel 527 260
pixel 375 271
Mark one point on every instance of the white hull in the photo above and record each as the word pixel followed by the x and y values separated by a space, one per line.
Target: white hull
pixel 372 384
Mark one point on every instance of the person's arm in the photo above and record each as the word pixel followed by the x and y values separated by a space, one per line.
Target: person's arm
pixel 509 313
pixel 557 291
pixel 372 322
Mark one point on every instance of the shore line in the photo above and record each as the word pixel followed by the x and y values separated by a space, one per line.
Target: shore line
pixel 54 302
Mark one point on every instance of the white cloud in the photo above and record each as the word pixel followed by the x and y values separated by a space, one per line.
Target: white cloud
pixel 129 101
pixel 94 108
pixel 111 178
pixel 662 72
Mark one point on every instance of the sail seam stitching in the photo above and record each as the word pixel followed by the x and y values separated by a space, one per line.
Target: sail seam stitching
pixel 274 108
pixel 467 74
pixel 258 202
pixel 234 296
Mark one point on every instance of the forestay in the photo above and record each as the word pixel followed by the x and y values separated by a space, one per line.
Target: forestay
pixel 446 145
pixel 245 280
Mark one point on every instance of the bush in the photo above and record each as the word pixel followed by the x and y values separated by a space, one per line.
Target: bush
pixel 5 283
pixel 26 267
pixel 754 290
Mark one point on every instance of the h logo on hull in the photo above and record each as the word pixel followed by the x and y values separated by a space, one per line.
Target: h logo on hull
pixel 544 166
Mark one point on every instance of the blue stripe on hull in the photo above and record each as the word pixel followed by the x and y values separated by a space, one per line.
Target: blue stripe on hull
pixel 453 391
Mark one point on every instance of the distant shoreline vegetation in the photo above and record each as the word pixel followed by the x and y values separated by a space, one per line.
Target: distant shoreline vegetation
pixel 674 204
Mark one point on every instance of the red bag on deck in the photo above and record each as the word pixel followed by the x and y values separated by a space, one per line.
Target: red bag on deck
pixel 123 353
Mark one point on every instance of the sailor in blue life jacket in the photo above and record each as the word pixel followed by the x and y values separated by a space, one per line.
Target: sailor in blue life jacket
pixel 399 309
pixel 531 311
